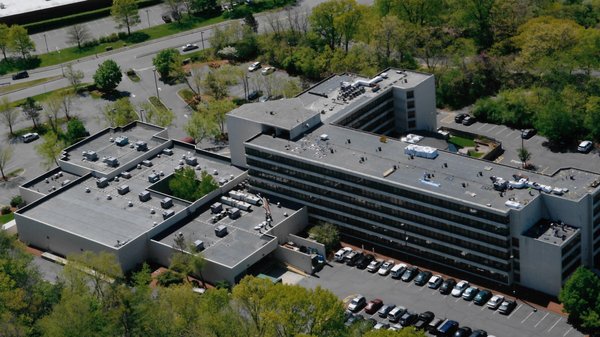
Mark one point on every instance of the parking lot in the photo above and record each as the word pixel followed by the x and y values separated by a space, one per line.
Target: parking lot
pixel 346 282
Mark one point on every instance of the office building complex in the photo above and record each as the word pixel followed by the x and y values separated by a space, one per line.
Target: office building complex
pixel 336 149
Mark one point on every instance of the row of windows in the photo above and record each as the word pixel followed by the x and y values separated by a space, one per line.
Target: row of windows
pixel 567 272
pixel 347 120
pixel 398 230
pixel 388 118
pixel 427 255
pixel 596 245
pixel 410 104
pixel 386 109
pixel 411 114
pixel 596 209
pixel 567 247
pixel 376 185
pixel 597 220
pixel 502 244
pixel 387 199
pixel 576 253
pixel 412 124
pixel 597 198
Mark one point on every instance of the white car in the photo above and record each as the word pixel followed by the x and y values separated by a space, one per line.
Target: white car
pixel 435 282
pixel 267 71
pixel 585 146
pixel 189 46
pixel 385 268
pixel 495 302
pixel 341 254
pixel 254 66
pixel 357 303
pixel 459 288
pixel 30 137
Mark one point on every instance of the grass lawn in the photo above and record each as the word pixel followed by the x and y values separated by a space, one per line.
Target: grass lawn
pixel 24 85
pixel 461 141
pixel 157 103
pixel 475 154
pixel 186 94
pixel 6 218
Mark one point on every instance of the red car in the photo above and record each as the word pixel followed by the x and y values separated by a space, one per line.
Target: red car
pixel 373 306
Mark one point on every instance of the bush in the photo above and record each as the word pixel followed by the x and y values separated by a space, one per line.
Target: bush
pixel 16 201
pixel 238 12
pixel 5 210
pixel 169 278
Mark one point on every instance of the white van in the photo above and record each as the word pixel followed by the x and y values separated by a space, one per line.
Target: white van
pixel 584 146
pixel 396 313
pixel 398 270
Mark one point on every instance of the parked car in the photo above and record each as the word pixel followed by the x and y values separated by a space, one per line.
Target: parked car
pixel 459 288
pixel 381 326
pixel 424 319
pixel 470 293
pixel 398 270
pixel 409 318
pixel 189 46
pixel 357 303
pixel 396 313
pixel 482 297
pixel 479 333
pixel 435 282
pixel 267 71
pixel 374 266
pixel 373 306
pixel 528 133
pixel 353 319
pixel 507 307
pixel 495 302
pixel 463 331
pixel 447 328
pixel 20 75
pixel 433 325
pixel 340 254
pixel 585 146
pixel 385 310
pixel 385 268
pixel 468 120
pixel 364 260
pixel 166 18
pixel 263 99
pixel 254 66
pixel 422 278
pixel 410 273
pixel 253 95
pixel 351 255
pixel 459 118
pixel 30 137
pixel 372 320
pixel 447 286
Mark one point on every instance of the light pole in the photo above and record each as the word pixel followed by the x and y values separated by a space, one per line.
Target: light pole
pixel 202 38
pixel 155 82
pixel 148 17
pixel 142 115
pixel 46 40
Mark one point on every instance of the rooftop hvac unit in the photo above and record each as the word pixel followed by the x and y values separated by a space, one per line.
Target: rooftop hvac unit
pixel 90 155
pixel 167 214
pixel 199 245
pixel 234 213
pixel 191 161
pixel 216 208
pixel 123 189
pixel 153 178
pixel 144 196
pixel 140 145
pixel 146 163
pixel 221 231
pixel 121 141
pixel 166 203
pixel 102 182
pixel 112 161
pixel 168 152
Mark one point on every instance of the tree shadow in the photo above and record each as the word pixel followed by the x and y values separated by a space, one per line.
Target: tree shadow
pixel 114 95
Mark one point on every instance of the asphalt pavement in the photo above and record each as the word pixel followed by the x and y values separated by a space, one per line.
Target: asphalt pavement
pixel 346 282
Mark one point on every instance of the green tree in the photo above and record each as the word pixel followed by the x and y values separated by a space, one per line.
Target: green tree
pixel 201 126
pixel 580 297
pixel 251 22
pixel 75 131
pixel 185 185
pixel 8 114
pixel 406 332
pixel 591 119
pixel 125 13
pixel 19 41
pixel 524 156
pixel 218 109
pixel 108 75
pixel 4 39
pixel 216 86
pixel 337 21
pixel 327 234
pixel 168 64
pixel 119 113
pixel 420 12
pixel 6 154
pixel 161 116
pixel 50 149
pixel 31 111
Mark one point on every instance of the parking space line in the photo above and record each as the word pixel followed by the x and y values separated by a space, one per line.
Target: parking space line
pixel 566 333
pixel 553 325
pixel 499 132
pixel 481 126
pixel 433 293
pixel 492 128
pixel 526 318
pixel 512 313
pixel 483 307
pixel 513 131
pixel 538 323
pixel 457 299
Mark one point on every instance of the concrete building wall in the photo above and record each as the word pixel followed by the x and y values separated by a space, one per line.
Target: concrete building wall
pixel 295 258
pixel 29 195
pixel 292 224
pixel 541 266
pixel 305 126
pixel 240 130
pixel 308 243
pixel 425 105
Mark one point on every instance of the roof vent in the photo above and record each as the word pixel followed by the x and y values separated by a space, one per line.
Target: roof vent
pixel 108 197
pixel 129 203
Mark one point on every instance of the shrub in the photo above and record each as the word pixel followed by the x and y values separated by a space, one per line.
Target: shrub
pixel 16 201
pixel 5 210
pixel 169 278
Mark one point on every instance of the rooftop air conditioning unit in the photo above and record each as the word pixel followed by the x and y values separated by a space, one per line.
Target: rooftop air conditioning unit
pixel 221 231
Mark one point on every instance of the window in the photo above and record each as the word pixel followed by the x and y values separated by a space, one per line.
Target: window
pixel 411 114
pixel 410 94
pixel 412 124
pixel 410 104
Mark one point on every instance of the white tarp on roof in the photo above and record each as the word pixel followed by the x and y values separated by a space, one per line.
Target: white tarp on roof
pixel 421 151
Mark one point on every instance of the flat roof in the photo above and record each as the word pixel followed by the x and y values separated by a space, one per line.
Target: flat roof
pixel 92 216
pixel 459 178
pixel 12 7
pixel 242 239
pixel 50 181
pixel 284 114
pixel 105 146
pixel 551 232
